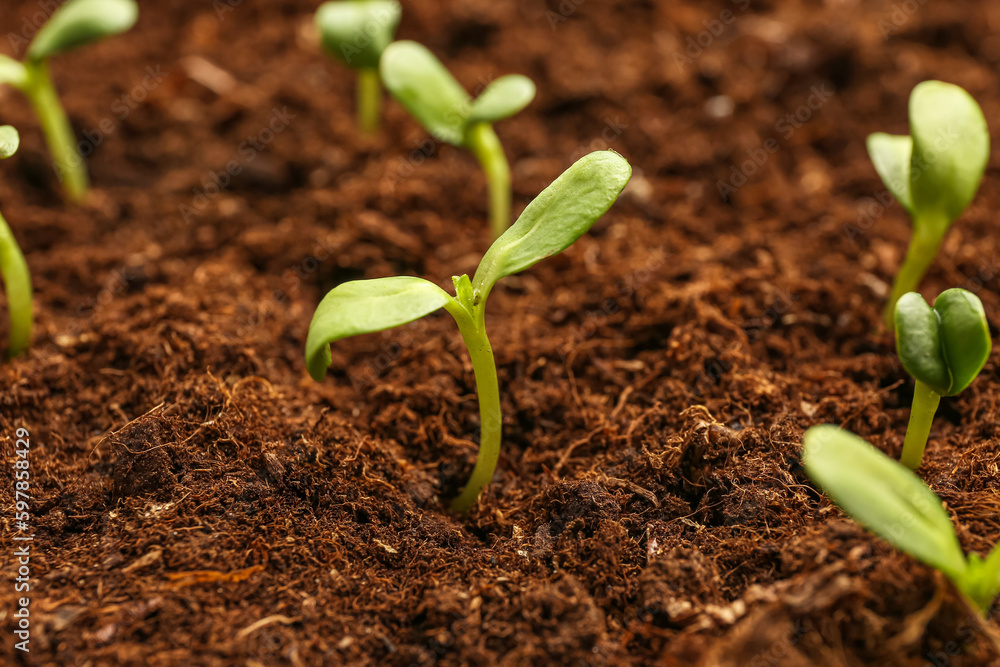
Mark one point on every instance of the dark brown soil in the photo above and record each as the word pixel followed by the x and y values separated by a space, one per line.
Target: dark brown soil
pixel 198 500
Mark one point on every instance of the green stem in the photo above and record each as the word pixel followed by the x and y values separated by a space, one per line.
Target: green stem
pixel 923 249
pixel 473 330
pixel 66 158
pixel 925 404
pixel 17 281
pixel 485 145
pixel 369 99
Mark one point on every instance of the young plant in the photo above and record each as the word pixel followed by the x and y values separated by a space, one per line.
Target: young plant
pixel 13 268
pixel 943 348
pixel 432 95
pixel 356 32
pixel 560 215
pixel 933 172
pixel 892 502
pixel 76 23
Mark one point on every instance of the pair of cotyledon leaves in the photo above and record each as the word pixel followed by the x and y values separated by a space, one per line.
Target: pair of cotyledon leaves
pixel 561 214
pixel 891 501
pixel 934 171
pixel 422 84
pixel 946 346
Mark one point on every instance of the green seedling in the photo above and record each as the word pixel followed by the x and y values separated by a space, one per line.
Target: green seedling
pixel 561 214
pixel 432 95
pixel 356 32
pixel 892 502
pixel 934 172
pixel 74 24
pixel 943 348
pixel 13 268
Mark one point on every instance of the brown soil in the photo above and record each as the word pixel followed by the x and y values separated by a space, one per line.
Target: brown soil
pixel 198 500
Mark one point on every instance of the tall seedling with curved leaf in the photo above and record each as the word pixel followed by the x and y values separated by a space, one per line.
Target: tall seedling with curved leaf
pixel 892 502
pixel 76 23
pixel 943 348
pixel 356 32
pixel 934 172
pixel 432 95
pixel 560 215
pixel 13 268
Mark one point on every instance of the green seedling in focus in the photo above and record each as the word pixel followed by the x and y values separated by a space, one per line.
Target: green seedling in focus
pixel 74 24
pixel 13 268
pixel 432 95
pixel 561 214
pixel 934 172
pixel 356 32
pixel 943 348
pixel 891 501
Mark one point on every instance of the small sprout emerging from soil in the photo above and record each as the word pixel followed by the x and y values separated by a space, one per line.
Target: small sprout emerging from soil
pixel 561 214
pixel 934 172
pixel 74 24
pixel 892 502
pixel 356 32
pixel 943 348
pixel 13 268
pixel 432 95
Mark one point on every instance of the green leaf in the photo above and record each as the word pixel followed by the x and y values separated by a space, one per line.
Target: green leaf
pixel 918 343
pixel 366 306
pixel 561 214
pixel 951 145
pixel 9 141
pixel 884 497
pixel 965 336
pixel 890 153
pixel 427 90
pixel 358 31
pixel 80 22
pixel 502 98
pixel 12 72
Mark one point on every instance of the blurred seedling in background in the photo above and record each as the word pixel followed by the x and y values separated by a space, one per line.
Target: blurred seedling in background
pixel 891 501
pixel 431 94
pixel 356 32
pixel 943 348
pixel 13 268
pixel 561 214
pixel 934 172
pixel 74 24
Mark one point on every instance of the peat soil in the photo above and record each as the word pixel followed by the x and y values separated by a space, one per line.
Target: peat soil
pixel 197 499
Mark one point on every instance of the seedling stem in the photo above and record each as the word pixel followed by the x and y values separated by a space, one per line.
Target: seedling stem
pixel 482 140
pixel 369 99
pixel 919 257
pixel 925 405
pixel 57 130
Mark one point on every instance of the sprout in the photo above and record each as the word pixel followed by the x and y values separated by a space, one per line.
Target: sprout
pixel 934 172
pixel 561 214
pixel 357 32
pixel 892 502
pixel 432 95
pixel 13 268
pixel 76 23
pixel 943 348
